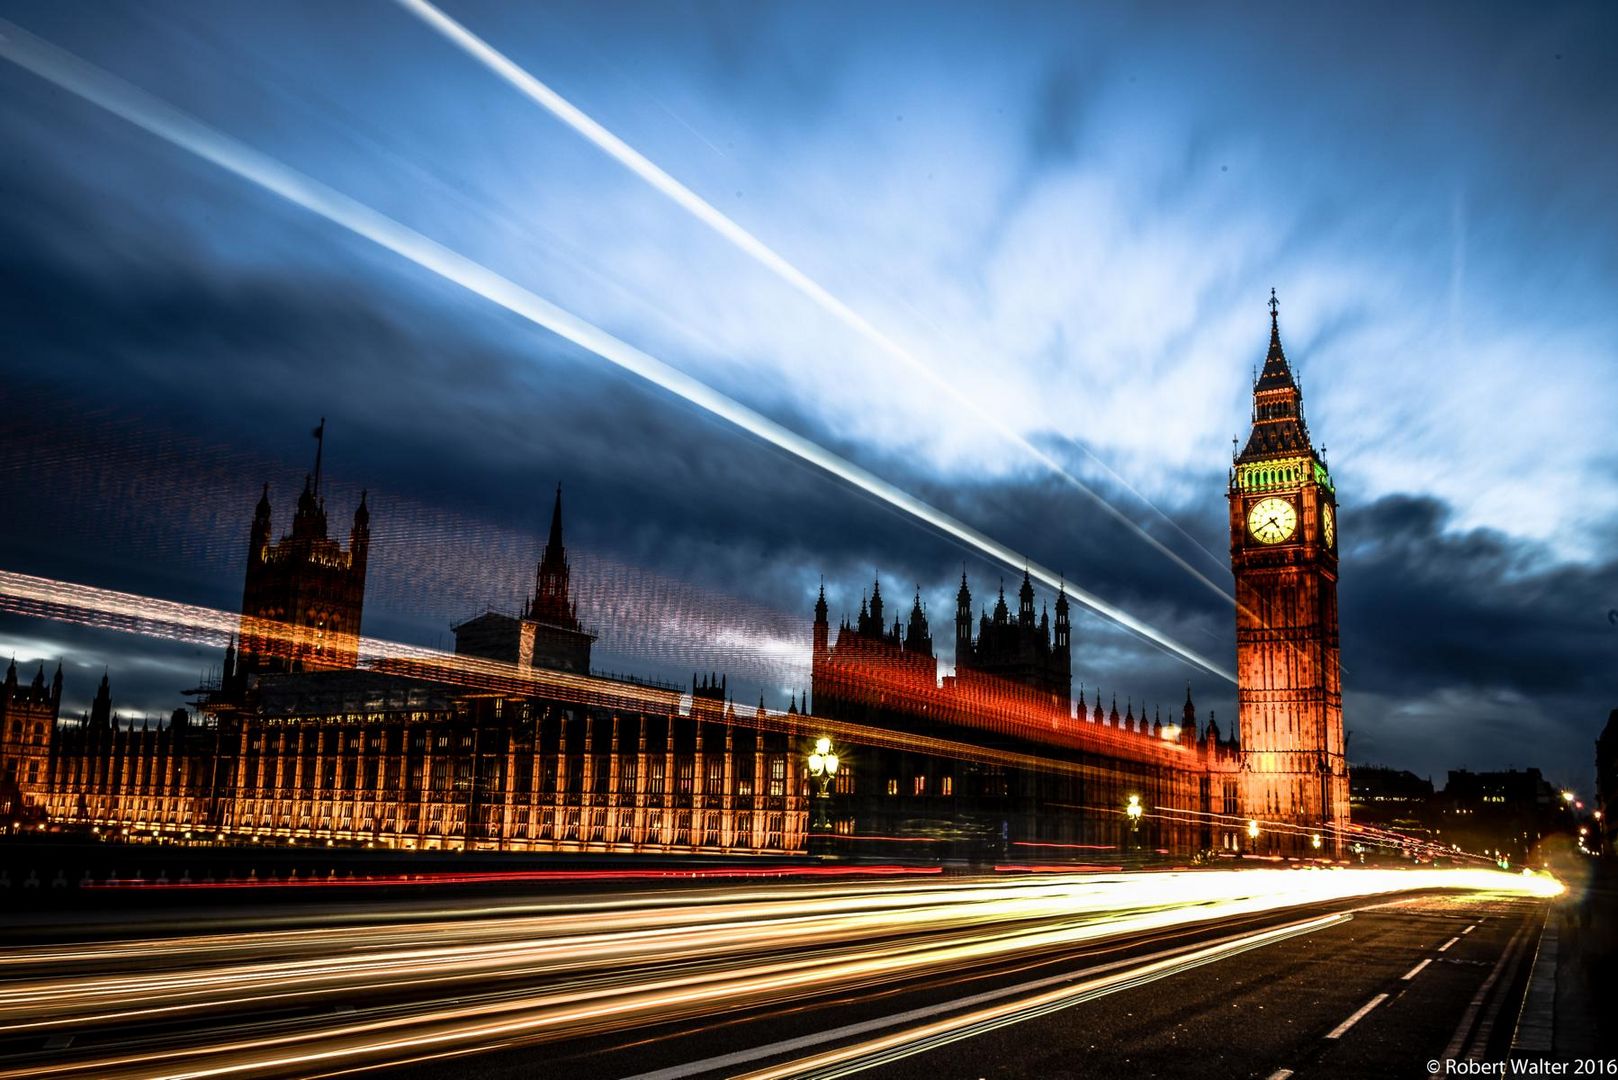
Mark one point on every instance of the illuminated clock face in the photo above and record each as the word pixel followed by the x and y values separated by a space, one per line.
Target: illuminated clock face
pixel 1328 525
pixel 1272 520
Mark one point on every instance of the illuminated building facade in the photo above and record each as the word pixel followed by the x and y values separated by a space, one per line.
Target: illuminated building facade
pixel 304 595
pixel 1082 771
pixel 1283 550
pixel 491 749
pixel 28 713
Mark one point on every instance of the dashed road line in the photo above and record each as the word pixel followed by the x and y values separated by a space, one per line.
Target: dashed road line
pixel 1279 1074
pixel 1469 929
pixel 1338 1031
pixel 1413 972
pixel 1445 947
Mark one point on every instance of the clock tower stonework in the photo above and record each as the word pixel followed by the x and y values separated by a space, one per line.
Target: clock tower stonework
pixel 1283 553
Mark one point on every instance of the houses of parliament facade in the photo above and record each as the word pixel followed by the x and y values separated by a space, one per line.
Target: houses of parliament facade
pixel 514 743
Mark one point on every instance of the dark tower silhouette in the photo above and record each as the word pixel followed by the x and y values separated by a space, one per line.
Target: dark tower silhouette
pixel 548 634
pixel 963 619
pixel 1283 548
pixel 822 624
pixel 1022 651
pixel 303 596
pixel 918 639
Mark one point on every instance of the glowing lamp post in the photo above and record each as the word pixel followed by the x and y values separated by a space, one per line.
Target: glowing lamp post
pixel 823 767
pixel 1315 841
pixel 1133 811
pixel 1252 834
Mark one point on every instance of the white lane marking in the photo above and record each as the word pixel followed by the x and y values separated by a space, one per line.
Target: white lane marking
pixel 1445 947
pixel 1337 1032
pixel 1280 1074
pixel 1469 929
pixel 1413 972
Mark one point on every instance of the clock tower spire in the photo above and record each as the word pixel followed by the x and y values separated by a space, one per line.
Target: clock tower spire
pixel 1283 551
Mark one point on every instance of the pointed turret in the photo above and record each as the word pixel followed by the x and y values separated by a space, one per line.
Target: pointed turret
pixel 1188 719
pixel 1025 601
pixel 309 520
pixel 101 706
pixel 963 623
pixel 359 537
pixel 918 638
pixel 1064 628
pixel 822 632
pixel 876 605
pixel 259 538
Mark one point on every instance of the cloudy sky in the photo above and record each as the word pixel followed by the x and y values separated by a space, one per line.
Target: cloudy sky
pixel 1071 216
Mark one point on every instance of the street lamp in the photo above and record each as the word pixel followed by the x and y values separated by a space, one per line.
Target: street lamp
pixel 1314 841
pixel 823 767
pixel 1133 811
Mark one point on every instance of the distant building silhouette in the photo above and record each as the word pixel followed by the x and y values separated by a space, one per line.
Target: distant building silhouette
pixel 1607 786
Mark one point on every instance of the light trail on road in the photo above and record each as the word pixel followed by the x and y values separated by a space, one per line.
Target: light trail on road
pixel 370 992
pixel 168 123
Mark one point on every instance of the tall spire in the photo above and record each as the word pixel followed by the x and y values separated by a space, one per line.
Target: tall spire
pixel 552 603
pixel 554 543
pixel 1278 424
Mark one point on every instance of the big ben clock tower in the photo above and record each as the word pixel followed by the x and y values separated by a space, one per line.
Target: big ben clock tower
pixel 1283 552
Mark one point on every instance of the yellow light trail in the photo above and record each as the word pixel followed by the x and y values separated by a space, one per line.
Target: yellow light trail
pixel 767 257
pixel 157 117
pixel 570 969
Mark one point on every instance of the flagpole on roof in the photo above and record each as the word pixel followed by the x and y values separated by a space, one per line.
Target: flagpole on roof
pixel 320 445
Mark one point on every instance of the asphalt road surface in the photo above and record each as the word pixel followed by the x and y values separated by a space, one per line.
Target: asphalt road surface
pixel 1262 973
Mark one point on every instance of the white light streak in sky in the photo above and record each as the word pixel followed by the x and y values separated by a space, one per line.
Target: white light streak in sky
pixel 184 131
pixel 765 256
